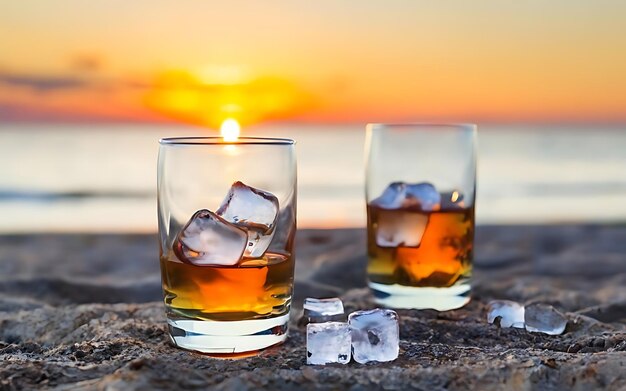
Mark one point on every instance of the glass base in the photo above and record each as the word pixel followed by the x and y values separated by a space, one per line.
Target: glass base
pixel 228 337
pixel 420 298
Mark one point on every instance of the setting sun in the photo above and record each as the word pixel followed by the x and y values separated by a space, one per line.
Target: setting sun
pixel 230 129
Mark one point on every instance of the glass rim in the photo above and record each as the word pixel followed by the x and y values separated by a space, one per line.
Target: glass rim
pixel 218 140
pixel 465 125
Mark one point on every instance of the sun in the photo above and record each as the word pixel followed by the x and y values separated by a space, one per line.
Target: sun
pixel 230 129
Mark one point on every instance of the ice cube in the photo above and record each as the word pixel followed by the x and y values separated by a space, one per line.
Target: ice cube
pixel 254 209
pixel 511 314
pixel 543 318
pixel 400 228
pixel 393 196
pixel 375 335
pixel 207 239
pixel 323 310
pixel 423 194
pixel 328 342
pixel 286 226
pixel 402 195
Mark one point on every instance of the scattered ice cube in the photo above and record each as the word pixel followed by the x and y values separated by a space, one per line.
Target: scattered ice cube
pixel 403 195
pixel 543 318
pixel 323 310
pixel 511 314
pixel 375 335
pixel 207 239
pixel 328 342
pixel 400 228
pixel 254 209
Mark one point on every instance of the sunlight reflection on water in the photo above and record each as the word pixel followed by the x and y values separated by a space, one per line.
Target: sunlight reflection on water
pixel 103 178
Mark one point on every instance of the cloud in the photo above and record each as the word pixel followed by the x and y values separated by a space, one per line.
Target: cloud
pixel 171 95
pixel 42 83
pixel 87 62
pixel 43 97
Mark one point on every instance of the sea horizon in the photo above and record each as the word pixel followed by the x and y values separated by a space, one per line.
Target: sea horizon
pixel 102 178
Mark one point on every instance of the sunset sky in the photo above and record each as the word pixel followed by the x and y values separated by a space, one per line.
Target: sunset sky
pixel 313 61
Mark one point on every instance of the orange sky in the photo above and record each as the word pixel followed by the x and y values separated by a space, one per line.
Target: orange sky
pixel 321 61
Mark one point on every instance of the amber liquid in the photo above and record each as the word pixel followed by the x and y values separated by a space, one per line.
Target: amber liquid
pixel 441 259
pixel 255 289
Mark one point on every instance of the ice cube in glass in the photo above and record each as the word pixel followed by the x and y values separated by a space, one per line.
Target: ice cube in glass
pixel 255 210
pixel 207 240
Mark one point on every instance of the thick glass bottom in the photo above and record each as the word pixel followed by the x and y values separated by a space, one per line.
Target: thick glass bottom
pixel 408 297
pixel 228 337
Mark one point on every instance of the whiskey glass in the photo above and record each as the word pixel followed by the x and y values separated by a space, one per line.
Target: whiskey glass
pixel 420 194
pixel 227 223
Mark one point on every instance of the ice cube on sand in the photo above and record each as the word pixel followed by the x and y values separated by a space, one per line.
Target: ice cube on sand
pixel 403 195
pixel 511 314
pixel 254 209
pixel 328 342
pixel 207 239
pixel 375 335
pixel 543 318
pixel 323 310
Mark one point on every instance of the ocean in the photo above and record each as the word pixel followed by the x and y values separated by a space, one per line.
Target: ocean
pixel 102 178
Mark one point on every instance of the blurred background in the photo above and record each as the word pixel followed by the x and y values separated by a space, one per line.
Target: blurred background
pixel 88 88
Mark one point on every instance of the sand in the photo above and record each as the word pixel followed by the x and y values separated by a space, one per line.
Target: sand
pixel 84 312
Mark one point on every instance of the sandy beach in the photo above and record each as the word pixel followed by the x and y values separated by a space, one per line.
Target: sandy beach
pixel 428 122
pixel 84 312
